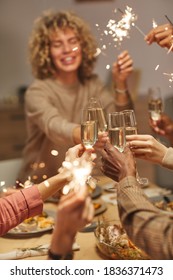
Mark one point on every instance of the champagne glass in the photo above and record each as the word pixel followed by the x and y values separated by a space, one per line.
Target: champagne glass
pixel 89 136
pixel 89 130
pixel 155 103
pixel 116 129
pixel 130 129
pixel 94 103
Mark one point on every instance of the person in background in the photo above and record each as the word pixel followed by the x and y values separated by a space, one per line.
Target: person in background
pixel 146 225
pixel 163 127
pixel 163 36
pixel 28 202
pixel 62 54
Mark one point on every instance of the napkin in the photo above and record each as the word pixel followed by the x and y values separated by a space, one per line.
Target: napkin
pixel 150 192
pixel 30 252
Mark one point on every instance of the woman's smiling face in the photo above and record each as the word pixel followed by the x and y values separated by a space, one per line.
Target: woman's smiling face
pixel 65 51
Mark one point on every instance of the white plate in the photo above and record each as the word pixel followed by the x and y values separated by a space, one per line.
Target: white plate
pixel 96 193
pixel 101 209
pixel 16 233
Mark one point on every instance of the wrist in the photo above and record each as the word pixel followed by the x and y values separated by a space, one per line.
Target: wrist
pixel 62 243
pixel 54 256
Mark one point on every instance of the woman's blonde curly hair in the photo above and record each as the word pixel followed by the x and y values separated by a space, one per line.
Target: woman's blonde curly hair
pixel 39 44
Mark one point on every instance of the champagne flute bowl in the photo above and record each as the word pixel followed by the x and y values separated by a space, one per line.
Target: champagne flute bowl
pixel 116 130
pixel 89 130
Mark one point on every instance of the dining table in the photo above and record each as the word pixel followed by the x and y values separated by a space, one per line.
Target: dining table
pixel 86 248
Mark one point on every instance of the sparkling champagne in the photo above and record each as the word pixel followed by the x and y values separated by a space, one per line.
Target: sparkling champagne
pixel 117 138
pixel 155 108
pixel 130 130
pixel 92 114
pixel 89 133
pixel 102 124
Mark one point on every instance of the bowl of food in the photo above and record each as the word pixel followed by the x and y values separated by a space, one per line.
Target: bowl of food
pixel 113 242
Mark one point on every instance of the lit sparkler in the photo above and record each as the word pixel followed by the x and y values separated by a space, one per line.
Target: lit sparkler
pixel 154 24
pixel 117 30
pixel 170 75
pixel 130 18
pixel 79 170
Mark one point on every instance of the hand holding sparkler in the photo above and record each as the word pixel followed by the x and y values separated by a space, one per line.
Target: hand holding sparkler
pixel 77 166
pixel 129 19
pixel 162 35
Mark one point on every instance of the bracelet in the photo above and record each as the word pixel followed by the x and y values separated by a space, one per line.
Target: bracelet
pixel 121 90
pixel 53 256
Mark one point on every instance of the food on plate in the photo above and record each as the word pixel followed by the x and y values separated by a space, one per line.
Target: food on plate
pixel 163 205
pixel 114 243
pixel 96 205
pixel 35 224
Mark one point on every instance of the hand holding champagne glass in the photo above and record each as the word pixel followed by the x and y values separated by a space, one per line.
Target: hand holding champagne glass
pixel 116 129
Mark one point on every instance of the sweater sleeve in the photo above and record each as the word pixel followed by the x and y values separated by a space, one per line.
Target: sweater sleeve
pixel 145 225
pixel 19 206
pixel 43 113
pixel 168 159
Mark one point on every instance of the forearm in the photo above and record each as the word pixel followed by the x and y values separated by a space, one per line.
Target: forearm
pixel 123 100
pixel 19 206
pixel 62 242
pixel 50 186
pixel 144 224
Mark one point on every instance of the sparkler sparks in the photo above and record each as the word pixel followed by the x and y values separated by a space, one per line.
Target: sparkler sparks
pixel 131 18
pixel 78 170
pixel 154 24
pixel 117 30
pixel 170 76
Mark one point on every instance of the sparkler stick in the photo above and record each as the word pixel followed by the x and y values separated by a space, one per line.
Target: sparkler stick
pixel 169 20
pixel 138 29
